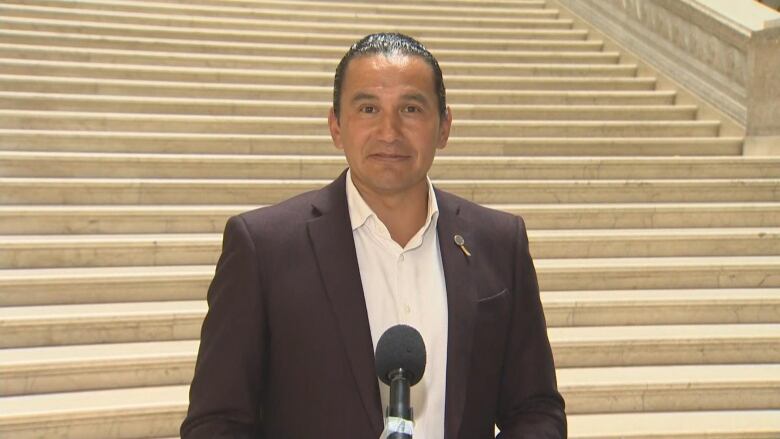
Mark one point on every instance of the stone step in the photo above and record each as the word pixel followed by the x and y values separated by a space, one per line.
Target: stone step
pixel 46 19
pixel 201 124
pixel 634 243
pixel 223 81
pixel 417 8
pixel 146 412
pixel 254 92
pixel 112 191
pixel 644 215
pixel 135 142
pixel 224 166
pixel 30 371
pixel 269 108
pixel 563 308
pixel 532 51
pixel 677 425
pixel 53 251
pixel 665 345
pixel 658 273
pixel 560 29
pixel 88 367
pixel 491 4
pixel 58 325
pixel 158 412
pixel 518 17
pixel 185 282
pixel 104 285
pixel 265 38
pixel 583 346
pixel 526 4
pixel 78 220
pixel 135 57
pixel 656 307
pixel 670 388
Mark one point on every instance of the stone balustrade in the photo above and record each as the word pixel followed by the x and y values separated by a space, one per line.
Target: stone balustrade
pixel 725 51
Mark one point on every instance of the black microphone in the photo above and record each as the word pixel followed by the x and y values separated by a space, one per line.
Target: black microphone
pixel 400 363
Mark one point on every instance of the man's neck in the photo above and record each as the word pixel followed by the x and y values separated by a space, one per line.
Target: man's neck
pixel 403 214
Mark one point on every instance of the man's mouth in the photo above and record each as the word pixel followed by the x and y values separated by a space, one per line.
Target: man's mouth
pixel 389 156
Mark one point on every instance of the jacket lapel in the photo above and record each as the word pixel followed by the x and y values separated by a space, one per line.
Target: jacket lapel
pixel 461 306
pixel 334 248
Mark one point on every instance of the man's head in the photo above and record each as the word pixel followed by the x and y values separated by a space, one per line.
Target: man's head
pixel 389 114
pixel 389 44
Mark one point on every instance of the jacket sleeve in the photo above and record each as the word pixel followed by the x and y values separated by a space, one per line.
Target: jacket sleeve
pixel 225 394
pixel 529 403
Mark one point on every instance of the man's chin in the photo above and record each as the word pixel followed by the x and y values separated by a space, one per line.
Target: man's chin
pixel 398 187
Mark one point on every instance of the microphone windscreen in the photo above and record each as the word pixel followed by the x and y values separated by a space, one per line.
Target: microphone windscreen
pixel 400 347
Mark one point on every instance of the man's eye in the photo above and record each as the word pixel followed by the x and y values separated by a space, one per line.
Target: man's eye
pixel 412 109
pixel 368 109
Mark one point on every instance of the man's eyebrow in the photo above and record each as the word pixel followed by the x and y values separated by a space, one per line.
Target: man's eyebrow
pixel 418 97
pixel 362 96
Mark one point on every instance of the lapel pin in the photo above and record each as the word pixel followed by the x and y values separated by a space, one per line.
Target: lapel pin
pixel 460 242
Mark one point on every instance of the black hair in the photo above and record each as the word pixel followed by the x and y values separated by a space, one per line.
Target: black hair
pixel 389 44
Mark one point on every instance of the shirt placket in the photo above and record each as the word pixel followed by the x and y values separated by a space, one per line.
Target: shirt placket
pixel 402 285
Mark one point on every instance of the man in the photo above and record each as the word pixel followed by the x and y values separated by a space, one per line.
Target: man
pixel 304 289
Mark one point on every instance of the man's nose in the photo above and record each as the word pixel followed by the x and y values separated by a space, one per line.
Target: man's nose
pixel 389 127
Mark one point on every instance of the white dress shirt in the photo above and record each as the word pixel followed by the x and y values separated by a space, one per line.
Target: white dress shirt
pixel 406 286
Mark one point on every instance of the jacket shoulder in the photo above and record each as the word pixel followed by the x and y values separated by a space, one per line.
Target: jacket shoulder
pixel 293 211
pixel 485 218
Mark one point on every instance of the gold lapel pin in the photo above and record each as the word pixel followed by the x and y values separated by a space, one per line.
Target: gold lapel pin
pixel 460 242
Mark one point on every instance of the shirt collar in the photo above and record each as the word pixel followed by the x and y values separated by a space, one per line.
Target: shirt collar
pixel 360 212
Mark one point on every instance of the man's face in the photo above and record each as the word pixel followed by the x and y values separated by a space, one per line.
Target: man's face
pixel 389 126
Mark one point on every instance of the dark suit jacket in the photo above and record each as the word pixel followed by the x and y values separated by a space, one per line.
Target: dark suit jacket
pixel 286 349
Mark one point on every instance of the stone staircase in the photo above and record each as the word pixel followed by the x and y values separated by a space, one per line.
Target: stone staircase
pixel 130 131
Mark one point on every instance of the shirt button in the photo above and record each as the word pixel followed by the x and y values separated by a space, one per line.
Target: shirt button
pixel 401 258
pixel 407 309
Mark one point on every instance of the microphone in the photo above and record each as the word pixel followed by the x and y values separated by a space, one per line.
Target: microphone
pixel 400 363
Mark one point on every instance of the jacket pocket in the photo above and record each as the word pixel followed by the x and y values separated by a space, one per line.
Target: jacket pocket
pixel 497 296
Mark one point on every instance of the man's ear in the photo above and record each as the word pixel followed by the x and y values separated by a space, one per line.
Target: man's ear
pixel 335 128
pixel 444 129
